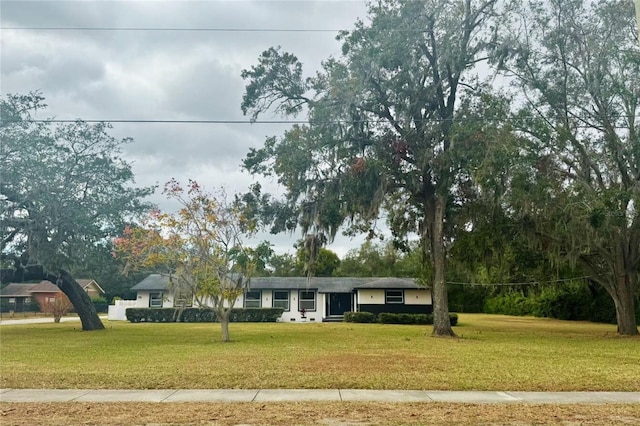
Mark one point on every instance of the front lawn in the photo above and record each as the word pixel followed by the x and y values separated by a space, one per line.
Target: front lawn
pixel 494 353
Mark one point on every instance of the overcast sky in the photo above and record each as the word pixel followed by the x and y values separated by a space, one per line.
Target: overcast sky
pixel 167 75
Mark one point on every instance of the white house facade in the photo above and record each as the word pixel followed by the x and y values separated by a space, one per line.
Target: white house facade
pixel 318 299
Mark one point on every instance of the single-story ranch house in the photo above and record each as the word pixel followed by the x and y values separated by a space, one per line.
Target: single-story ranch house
pixel 318 299
pixel 18 296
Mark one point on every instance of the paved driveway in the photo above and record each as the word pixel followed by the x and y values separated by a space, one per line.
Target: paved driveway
pixel 46 320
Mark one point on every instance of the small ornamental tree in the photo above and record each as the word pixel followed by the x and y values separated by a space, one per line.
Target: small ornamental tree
pixel 58 307
pixel 200 248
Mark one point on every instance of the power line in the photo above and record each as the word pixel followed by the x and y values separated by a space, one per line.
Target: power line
pixel 373 121
pixel 201 29
pixel 518 284
pixel 435 120
pixel 174 121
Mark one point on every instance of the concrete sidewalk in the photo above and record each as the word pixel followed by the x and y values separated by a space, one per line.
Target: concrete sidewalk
pixel 297 395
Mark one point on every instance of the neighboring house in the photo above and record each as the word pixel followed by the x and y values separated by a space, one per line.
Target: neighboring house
pixel 20 295
pixel 319 299
pixel 91 287
pixel 45 292
pixel 17 296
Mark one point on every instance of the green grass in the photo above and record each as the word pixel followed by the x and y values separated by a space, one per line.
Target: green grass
pixel 494 353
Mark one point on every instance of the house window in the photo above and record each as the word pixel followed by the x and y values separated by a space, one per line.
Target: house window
pixel 281 300
pixel 12 300
pixel 51 299
pixel 306 300
pixel 184 299
pixel 252 299
pixel 155 300
pixel 394 296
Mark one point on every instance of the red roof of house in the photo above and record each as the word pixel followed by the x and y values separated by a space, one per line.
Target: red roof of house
pixel 45 287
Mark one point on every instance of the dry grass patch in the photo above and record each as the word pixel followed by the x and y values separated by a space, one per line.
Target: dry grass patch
pixel 494 353
pixel 315 413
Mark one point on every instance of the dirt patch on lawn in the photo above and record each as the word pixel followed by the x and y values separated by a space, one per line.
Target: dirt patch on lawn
pixel 314 413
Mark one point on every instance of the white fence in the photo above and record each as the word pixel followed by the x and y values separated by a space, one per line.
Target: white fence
pixel 117 311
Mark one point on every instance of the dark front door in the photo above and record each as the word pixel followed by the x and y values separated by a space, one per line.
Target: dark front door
pixel 339 303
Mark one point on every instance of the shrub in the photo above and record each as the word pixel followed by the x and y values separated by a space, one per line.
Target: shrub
pixel 453 318
pixel 151 314
pixel 360 317
pixel 393 318
pixel 255 314
pixel 571 301
pixel 423 319
pixel 390 318
pixel 463 298
pixel 5 306
pixel 512 303
pixel 59 307
pixel 197 315
pixel 101 304
pixel 201 315
pixel 32 306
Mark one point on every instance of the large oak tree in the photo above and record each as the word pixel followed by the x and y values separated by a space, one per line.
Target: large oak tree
pixel 381 125
pixel 64 189
pixel 576 67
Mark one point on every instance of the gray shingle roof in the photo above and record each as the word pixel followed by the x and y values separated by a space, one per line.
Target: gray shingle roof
pixel 329 284
pixel 17 290
pixel 27 289
pixel 86 282
pixel 322 284
pixel 153 282
pixel 158 282
pixel 391 282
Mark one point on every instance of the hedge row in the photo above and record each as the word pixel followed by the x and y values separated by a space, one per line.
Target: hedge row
pixel 569 302
pixel 5 306
pixel 201 315
pixel 101 304
pixel 389 318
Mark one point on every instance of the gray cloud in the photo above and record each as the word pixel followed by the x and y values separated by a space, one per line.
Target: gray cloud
pixel 153 75
pixel 60 13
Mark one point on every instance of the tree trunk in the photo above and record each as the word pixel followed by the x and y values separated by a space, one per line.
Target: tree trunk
pixel 441 320
pixel 223 317
pixel 79 299
pixel 622 290
pixel 624 300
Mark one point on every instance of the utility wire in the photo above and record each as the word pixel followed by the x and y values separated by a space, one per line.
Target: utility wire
pixel 518 284
pixel 158 29
pixel 173 121
pixel 373 121
pixel 202 29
